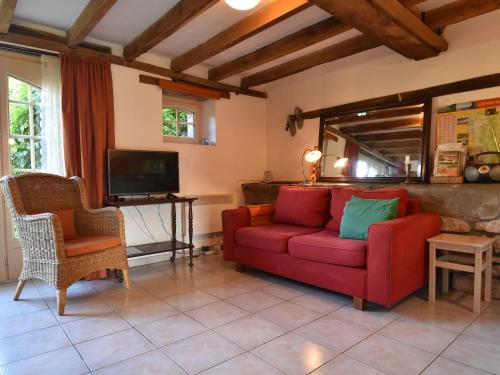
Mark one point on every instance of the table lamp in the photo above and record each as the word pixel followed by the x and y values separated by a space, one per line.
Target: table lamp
pixel 310 156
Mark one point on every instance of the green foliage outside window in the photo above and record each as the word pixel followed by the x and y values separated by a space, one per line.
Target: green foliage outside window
pixel 177 122
pixel 24 126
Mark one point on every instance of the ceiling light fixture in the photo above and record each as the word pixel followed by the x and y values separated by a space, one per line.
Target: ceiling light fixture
pixel 242 4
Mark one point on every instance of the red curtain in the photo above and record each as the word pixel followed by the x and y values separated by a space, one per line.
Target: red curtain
pixel 351 152
pixel 88 121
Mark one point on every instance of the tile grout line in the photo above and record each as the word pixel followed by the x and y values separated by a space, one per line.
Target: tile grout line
pixel 455 339
pixel 357 343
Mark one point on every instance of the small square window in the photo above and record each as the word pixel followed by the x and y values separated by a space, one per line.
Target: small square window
pixel 178 122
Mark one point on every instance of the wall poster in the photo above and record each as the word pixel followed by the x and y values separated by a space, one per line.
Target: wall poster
pixel 475 124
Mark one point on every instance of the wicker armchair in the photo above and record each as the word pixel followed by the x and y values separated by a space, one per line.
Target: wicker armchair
pixel 32 199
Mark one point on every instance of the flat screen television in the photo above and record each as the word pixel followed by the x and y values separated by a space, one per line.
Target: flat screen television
pixel 142 172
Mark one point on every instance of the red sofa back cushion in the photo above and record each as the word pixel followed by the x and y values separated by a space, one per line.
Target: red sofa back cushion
pixel 307 207
pixel 342 195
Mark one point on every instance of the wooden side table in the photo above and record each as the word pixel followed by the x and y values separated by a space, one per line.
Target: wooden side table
pixel 461 253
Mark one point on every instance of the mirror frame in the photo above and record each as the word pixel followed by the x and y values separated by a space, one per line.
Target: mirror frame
pixel 426 133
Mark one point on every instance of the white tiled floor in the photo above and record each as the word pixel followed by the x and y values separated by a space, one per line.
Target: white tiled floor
pixel 213 320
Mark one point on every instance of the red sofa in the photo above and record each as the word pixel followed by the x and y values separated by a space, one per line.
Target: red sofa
pixel 298 238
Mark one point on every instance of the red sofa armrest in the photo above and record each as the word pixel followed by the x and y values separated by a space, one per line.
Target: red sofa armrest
pixel 232 220
pixel 397 256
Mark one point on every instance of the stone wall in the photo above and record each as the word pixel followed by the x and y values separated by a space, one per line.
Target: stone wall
pixel 465 208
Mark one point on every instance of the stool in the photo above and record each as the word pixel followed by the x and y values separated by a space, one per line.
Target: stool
pixel 467 257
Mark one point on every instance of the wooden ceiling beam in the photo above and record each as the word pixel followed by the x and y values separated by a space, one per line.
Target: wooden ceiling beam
pixel 59 42
pixel 184 88
pixel 387 144
pixel 7 9
pixel 337 51
pixel 390 23
pixel 410 134
pixel 179 15
pixel 375 115
pixel 282 47
pixel 330 129
pixel 400 151
pixel 408 123
pixel 411 22
pixel 458 11
pixel 88 19
pixel 332 53
pixel 291 43
pixel 55 43
pixel 241 30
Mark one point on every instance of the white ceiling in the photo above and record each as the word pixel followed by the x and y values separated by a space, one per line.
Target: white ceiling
pixel 128 18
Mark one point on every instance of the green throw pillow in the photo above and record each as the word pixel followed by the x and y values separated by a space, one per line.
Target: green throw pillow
pixel 360 213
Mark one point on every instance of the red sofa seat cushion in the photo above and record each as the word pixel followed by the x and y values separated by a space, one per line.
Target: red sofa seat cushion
pixel 327 247
pixel 271 237
pixel 307 207
pixel 340 196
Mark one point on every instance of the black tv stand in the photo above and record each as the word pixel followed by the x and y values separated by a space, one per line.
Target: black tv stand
pixel 160 247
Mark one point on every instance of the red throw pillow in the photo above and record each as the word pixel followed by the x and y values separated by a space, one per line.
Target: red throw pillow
pixel 67 217
pixel 307 207
pixel 342 195
pixel 402 194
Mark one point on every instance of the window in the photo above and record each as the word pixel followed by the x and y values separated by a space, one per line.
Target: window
pixel 178 122
pixel 24 126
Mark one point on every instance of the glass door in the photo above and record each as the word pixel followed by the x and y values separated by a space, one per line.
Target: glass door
pixel 3 240
pixel 20 81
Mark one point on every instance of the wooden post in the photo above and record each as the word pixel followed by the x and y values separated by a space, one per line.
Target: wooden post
pixel 358 303
pixel 174 229
pixel 61 301
pixel 446 278
pixel 19 289
pixel 239 267
pixel 126 278
pixel 190 232
pixel 487 274
pixel 478 258
pixel 432 273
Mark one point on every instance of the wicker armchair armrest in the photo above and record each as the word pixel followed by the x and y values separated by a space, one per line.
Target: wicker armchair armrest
pixel 41 237
pixel 100 222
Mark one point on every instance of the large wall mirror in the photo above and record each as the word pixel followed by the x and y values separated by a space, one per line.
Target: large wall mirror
pixel 370 145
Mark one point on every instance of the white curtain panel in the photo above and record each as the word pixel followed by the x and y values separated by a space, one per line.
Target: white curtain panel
pixel 51 116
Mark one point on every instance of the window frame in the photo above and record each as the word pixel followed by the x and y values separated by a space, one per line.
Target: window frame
pixel 177 122
pixel 32 138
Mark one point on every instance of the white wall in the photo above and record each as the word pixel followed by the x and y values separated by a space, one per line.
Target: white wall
pixel 474 51
pixel 238 156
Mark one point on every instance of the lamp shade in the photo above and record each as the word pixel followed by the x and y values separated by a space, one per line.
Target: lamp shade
pixel 312 156
pixel 242 4
pixel 341 163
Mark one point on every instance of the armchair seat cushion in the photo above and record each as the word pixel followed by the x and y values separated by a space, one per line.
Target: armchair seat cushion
pixel 90 244
pixel 272 237
pixel 327 247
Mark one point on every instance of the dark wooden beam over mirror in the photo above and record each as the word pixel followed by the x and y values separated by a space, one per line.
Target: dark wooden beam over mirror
pixel 370 144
